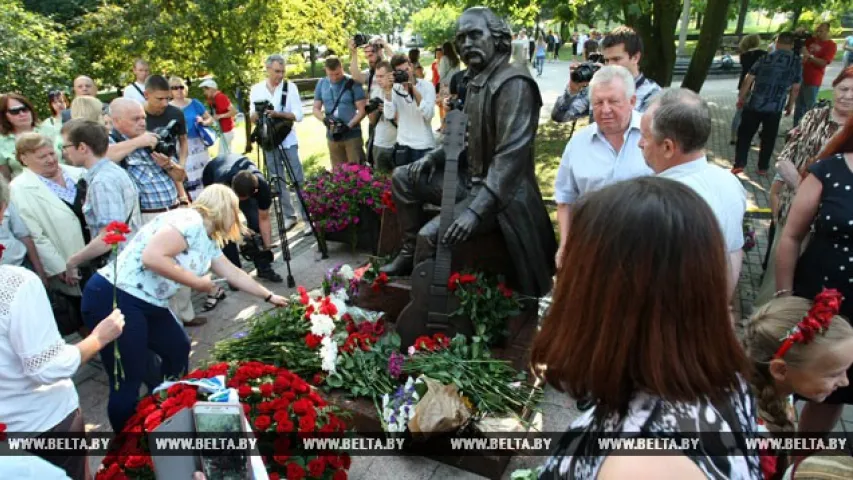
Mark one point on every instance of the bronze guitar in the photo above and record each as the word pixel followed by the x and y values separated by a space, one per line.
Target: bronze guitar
pixel 432 305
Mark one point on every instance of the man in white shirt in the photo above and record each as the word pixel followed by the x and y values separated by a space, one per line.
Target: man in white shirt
pixel 675 130
pixel 286 104
pixel 604 152
pixel 411 102
pixel 136 90
pixel 385 133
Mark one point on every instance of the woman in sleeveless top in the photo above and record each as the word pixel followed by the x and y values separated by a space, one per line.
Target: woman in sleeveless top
pixel 640 323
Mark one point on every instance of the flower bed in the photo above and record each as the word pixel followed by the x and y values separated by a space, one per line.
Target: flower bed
pixel 274 399
pixel 346 204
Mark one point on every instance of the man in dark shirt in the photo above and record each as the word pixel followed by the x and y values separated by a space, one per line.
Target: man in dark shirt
pixel 772 85
pixel 158 113
pixel 239 173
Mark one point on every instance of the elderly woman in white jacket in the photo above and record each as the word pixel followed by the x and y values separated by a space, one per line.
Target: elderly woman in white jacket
pixel 37 394
pixel 47 197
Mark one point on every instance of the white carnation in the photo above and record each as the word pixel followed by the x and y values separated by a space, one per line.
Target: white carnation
pixel 328 354
pixel 346 272
pixel 322 325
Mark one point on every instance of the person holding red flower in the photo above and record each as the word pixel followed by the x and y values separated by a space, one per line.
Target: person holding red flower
pixel 36 391
pixel 175 249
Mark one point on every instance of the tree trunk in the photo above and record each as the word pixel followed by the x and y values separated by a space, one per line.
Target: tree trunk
pixel 795 16
pixel 716 19
pixel 741 18
pixel 657 29
pixel 685 24
pixel 698 20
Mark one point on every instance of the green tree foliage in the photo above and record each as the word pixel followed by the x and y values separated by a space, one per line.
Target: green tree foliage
pixel 33 56
pixel 435 24
pixel 61 11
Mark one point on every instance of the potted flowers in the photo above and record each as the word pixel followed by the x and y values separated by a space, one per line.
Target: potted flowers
pixel 346 204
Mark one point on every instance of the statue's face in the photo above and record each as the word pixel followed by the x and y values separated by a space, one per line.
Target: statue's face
pixel 474 41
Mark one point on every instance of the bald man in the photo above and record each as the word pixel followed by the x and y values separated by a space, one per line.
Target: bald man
pixel 83 87
pixel 156 177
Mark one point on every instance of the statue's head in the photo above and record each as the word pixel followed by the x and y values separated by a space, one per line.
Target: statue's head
pixel 480 36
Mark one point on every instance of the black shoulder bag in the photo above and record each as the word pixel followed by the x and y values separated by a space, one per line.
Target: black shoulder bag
pixel 273 131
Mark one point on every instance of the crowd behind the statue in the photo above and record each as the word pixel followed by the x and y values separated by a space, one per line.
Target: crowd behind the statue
pixel 651 238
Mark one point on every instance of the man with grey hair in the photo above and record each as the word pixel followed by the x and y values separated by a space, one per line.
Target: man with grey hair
pixel 284 103
pixel 675 129
pixel 605 152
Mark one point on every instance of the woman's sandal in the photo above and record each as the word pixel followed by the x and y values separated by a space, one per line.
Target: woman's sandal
pixel 213 300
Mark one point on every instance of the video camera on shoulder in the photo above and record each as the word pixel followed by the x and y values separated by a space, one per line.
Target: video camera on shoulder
pixel 167 143
pixel 583 73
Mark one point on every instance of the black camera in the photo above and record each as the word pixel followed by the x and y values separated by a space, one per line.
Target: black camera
pixel 800 41
pixel 595 58
pixel 360 39
pixel 167 142
pixel 373 105
pixel 583 73
pixel 457 104
pixel 337 127
pixel 401 76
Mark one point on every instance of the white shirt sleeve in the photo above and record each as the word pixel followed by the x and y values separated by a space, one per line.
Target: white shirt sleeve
pixel 565 188
pixel 16 223
pixel 45 357
pixel 733 229
pixel 254 96
pixel 427 106
pixel 390 108
pixel 294 102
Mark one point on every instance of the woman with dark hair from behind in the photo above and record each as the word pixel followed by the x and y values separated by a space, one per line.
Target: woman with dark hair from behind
pixel 641 324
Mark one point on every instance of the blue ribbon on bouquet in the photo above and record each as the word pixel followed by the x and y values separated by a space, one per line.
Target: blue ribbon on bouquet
pixel 214 388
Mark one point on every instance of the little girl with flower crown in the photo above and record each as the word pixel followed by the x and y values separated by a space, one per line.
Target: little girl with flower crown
pixel 797 347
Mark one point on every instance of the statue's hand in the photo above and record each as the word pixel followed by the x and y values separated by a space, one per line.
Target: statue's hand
pixel 425 164
pixel 462 228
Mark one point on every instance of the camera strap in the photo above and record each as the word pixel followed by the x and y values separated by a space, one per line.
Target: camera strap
pixel 284 90
pixel 347 86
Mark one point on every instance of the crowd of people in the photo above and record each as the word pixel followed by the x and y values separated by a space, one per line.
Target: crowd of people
pixel 641 330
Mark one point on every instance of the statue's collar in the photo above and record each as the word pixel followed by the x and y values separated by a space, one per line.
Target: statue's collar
pixel 482 77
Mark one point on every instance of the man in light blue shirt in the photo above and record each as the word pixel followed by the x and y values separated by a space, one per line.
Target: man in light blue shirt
pixel 604 152
pixel 340 103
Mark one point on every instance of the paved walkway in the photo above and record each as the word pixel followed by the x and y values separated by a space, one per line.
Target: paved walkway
pixel 557 410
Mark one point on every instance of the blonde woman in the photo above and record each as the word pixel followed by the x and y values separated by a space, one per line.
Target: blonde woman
pixel 196 117
pixel 175 249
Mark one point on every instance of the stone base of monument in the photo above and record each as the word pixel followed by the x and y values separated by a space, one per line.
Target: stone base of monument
pixel 362 237
pixel 365 418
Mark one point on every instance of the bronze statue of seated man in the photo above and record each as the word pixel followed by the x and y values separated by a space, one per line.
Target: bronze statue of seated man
pixel 498 189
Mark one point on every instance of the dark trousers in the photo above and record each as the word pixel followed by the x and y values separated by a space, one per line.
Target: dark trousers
pixel 750 121
pixel 147 327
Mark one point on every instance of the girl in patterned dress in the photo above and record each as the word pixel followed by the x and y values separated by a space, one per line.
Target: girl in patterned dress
pixel 813 367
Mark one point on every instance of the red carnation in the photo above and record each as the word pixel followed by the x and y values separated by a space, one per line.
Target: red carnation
pixel 312 341
pixel 136 461
pixel 441 339
pixel 295 471
pixel 316 467
pixel 346 460
pixel 302 406
pixel 281 459
pixel 267 390
pixel 467 278
pixel 2 425
pixel 114 238
pixel 284 426
pixel 263 422
pixel 153 420
pixel 303 295
pixel 274 476
pixel 247 409
pixel 340 475
pixel 118 227
pixel 244 391
pixel 307 424
pixel 334 461
pixel 452 282
pixel 300 386
pixel 281 385
pixel 317 379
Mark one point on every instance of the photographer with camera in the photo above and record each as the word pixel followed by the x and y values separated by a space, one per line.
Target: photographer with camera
pixel 278 99
pixel 411 102
pixel 250 186
pixel 148 159
pixel 385 133
pixel 339 102
pixel 623 47
pixel 374 49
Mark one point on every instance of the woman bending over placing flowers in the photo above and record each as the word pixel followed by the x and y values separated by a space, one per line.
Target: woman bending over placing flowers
pixel 651 327
pixel 796 348
pixel 176 248
pixel 36 391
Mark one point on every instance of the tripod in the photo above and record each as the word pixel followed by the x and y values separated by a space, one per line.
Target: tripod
pixel 275 181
